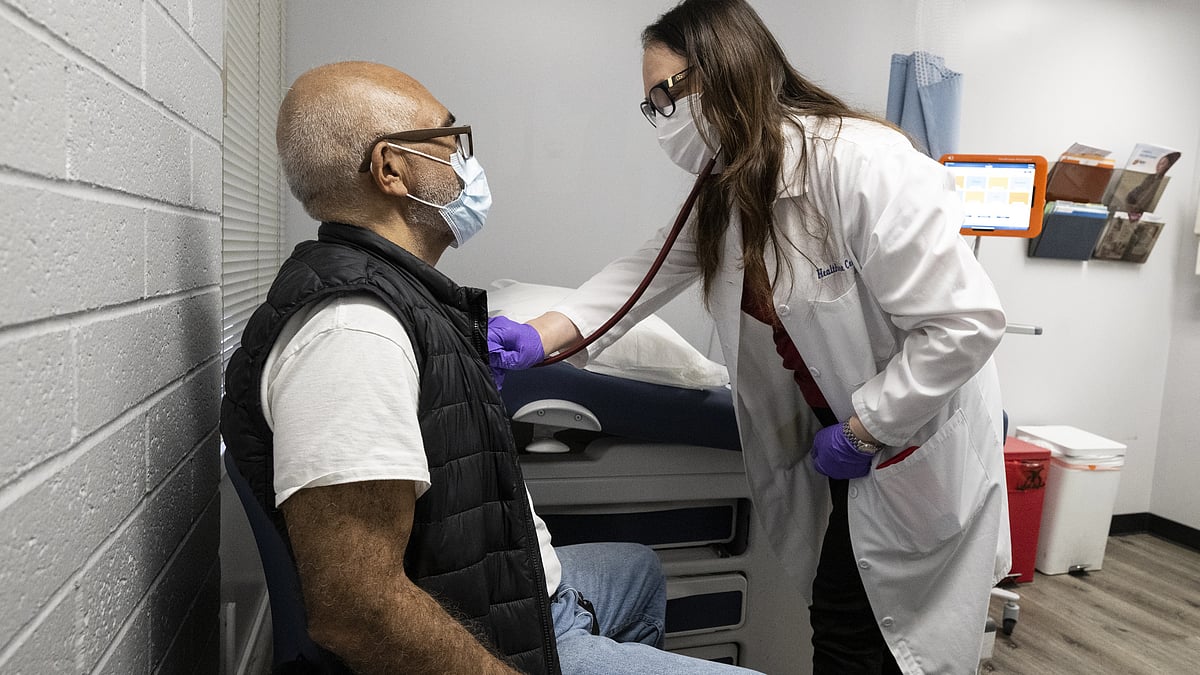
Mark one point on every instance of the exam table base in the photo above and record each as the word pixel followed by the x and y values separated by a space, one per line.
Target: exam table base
pixel 727 597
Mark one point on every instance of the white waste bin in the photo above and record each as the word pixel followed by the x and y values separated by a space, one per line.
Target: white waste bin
pixel 1081 491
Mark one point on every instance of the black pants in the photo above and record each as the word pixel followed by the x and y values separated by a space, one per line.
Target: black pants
pixel 846 639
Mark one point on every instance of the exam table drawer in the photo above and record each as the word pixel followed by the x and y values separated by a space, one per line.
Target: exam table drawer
pixel 677 524
pixel 618 471
pixel 725 652
pixel 704 604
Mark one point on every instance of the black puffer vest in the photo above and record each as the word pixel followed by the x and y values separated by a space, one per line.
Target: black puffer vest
pixel 473 545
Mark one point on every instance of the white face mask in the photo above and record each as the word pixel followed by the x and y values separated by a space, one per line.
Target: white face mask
pixel 680 137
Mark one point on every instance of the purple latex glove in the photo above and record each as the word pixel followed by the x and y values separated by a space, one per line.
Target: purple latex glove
pixel 835 456
pixel 512 346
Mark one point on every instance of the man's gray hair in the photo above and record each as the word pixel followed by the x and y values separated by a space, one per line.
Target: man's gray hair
pixel 323 138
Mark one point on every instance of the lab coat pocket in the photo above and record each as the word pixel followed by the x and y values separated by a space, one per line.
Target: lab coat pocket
pixel 846 339
pixel 930 497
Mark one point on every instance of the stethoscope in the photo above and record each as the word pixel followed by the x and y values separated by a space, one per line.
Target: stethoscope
pixel 684 211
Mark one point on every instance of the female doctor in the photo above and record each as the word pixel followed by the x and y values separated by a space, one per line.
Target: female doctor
pixel 858 331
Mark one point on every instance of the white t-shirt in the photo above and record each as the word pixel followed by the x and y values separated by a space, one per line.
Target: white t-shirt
pixel 339 390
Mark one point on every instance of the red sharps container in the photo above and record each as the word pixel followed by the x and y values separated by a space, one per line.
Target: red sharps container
pixel 1026 466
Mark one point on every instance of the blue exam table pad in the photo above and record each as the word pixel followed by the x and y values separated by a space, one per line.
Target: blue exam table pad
pixel 629 408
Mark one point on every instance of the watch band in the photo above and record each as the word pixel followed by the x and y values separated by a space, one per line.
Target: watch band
pixel 858 443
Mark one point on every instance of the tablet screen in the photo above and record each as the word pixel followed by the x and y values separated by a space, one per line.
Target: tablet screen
pixel 1000 195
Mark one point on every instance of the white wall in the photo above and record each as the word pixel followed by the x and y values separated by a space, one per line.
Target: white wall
pixel 1039 77
pixel 1178 458
pixel 110 190
pixel 552 90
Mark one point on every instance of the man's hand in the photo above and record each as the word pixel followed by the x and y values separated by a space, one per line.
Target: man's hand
pixel 512 346
pixel 835 456
pixel 349 542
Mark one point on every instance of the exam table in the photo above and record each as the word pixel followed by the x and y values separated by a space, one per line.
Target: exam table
pixel 612 459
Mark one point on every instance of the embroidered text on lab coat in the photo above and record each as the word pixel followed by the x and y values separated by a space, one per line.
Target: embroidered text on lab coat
pixel 846 264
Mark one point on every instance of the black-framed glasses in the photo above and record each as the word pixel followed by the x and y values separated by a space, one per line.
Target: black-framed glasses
pixel 660 101
pixel 465 145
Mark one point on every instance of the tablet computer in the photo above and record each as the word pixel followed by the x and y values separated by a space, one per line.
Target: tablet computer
pixel 1002 195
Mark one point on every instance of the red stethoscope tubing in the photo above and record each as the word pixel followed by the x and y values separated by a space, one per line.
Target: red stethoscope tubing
pixel 684 211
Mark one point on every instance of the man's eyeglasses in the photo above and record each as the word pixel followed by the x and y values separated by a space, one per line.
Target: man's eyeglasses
pixel 660 101
pixel 465 145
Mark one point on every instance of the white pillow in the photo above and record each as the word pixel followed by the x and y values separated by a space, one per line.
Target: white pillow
pixel 650 352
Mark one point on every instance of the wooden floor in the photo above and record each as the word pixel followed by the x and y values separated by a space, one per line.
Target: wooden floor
pixel 1139 614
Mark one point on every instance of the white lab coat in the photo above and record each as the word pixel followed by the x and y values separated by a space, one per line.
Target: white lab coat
pixel 897 322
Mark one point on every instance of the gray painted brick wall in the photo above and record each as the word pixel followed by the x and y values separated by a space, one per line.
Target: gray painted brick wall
pixel 110 257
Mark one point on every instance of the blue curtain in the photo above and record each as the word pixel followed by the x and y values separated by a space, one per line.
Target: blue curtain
pixel 925 99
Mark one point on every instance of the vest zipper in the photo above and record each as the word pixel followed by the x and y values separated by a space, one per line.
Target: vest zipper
pixel 533 550
pixel 479 337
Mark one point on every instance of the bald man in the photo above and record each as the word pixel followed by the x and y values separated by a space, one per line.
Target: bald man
pixel 361 408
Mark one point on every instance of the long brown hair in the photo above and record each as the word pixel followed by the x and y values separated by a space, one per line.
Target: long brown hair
pixel 749 92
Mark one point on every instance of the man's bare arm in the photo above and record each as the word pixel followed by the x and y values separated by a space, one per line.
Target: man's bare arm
pixel 349 542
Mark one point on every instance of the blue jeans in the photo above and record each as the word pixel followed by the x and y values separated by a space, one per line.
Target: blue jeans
pixel 625 585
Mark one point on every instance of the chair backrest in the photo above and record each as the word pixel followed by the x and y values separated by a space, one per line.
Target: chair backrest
pixel 294 650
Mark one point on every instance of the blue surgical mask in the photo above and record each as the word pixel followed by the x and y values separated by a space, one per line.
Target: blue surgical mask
pixel 466 214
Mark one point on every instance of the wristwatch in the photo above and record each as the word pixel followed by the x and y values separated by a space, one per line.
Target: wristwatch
pixel 858 443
